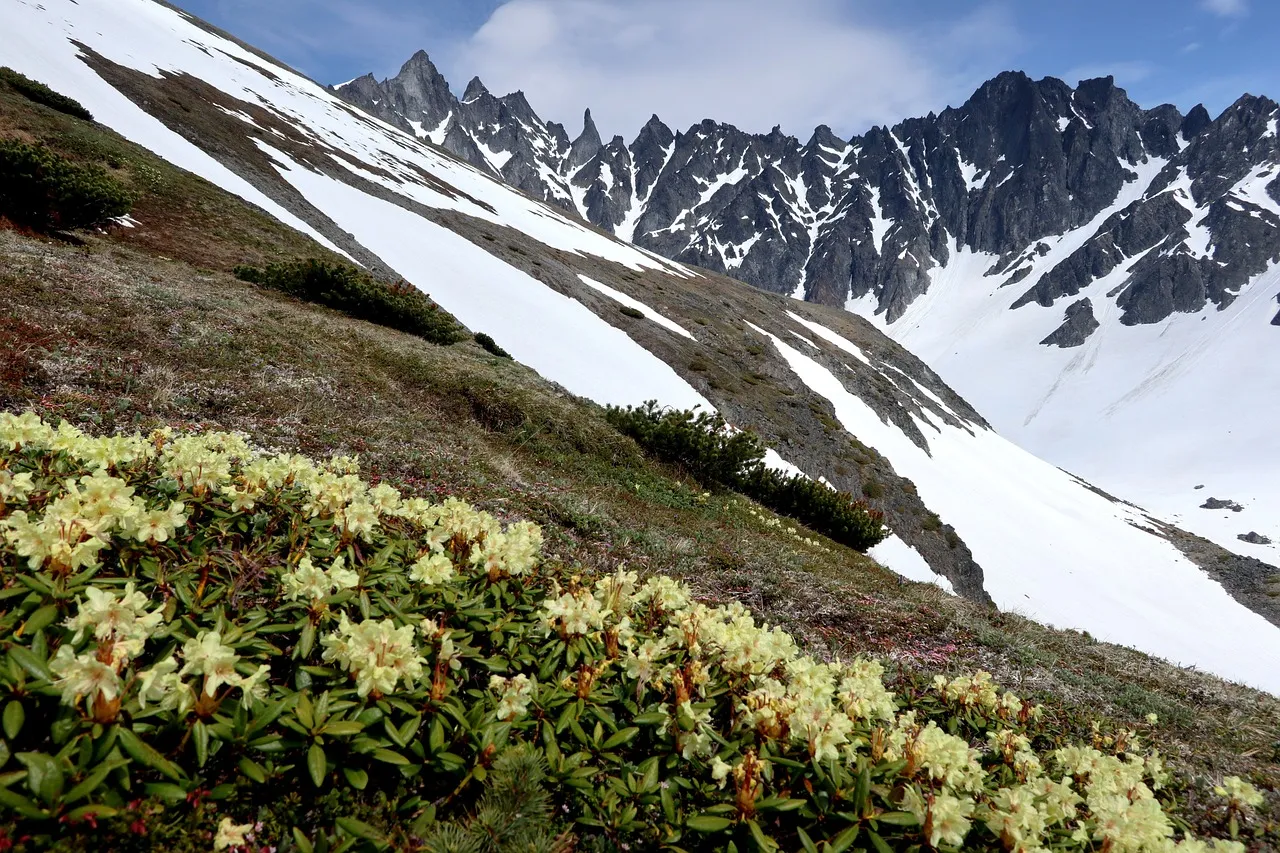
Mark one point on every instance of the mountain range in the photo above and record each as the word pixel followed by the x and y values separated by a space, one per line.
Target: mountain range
pixel 830 393
pixel 1097 278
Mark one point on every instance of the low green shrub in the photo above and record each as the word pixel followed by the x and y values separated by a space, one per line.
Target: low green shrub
pixel 207 643
pixel 513 814
pixel 489 345
pixel 42 94
pixel 702 444
pixel 45 191
pixel 357 294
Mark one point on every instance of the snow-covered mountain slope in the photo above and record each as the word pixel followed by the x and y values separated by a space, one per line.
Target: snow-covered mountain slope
pixel 1172 416
pixel 826 390
pixel 1117 581
pixel 1139 247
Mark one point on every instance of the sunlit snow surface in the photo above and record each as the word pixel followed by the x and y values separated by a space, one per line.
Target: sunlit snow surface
pixel 906 561
pixel 1147 412
pixel 1056 551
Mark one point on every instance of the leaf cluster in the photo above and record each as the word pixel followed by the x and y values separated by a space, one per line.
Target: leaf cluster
pixel 489 345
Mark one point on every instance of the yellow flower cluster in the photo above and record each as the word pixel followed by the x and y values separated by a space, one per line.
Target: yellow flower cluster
pixel 661 637
pixel 232 835
pixel 376 652
pixel 311 583
pixel 514 695
pixel 1238 793
pixel 793 532
pixel 78 524
pixel 121 625
pixel 978 692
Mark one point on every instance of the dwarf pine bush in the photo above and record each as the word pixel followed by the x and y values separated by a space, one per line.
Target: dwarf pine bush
pixel 357 294
pixel 38 92
pixel 705 446
pixel 207 646
pixel 489 345
pixel 45 191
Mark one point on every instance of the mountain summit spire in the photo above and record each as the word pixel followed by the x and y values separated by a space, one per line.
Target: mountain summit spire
pixel 586 145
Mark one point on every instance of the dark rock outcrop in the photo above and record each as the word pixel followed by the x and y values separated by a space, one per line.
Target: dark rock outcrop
pixel 1076 328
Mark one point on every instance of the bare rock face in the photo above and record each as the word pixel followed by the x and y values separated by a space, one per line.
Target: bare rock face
pixel 1076 328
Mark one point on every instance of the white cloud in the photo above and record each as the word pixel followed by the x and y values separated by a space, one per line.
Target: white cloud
pixel 752 63
pixel 1226 8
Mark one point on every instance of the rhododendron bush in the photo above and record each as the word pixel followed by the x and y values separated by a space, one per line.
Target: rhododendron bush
pixel 189 621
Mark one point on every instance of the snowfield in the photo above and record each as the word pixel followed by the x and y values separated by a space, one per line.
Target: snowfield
pixel 1103 410
pixel 1054 550
pixel 1050 547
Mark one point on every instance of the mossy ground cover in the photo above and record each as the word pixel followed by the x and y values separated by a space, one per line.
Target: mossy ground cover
pixel 127 333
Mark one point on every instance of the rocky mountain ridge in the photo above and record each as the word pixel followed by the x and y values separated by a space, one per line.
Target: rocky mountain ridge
pixel 867 219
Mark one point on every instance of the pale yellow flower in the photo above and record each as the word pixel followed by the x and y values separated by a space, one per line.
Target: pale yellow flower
pixel 83 676
pixel 231 835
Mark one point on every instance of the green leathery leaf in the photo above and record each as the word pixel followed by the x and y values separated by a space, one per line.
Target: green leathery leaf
pixel 317 764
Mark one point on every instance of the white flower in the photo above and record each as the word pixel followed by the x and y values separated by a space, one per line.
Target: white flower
pixel 515 694
pixel 83 676
pixel 254 687
pixel 206 655
pixel 162 684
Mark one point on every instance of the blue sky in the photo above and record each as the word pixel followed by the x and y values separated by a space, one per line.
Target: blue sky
pixel 757 63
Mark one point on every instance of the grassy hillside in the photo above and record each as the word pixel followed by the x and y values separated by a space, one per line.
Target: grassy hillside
pixel 145 326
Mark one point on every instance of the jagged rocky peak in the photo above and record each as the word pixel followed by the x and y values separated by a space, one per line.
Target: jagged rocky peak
pixel 1197 120
pixel 366 82
pixel 475 90
pixel 655 131
pixel 824 137
pixel 587 145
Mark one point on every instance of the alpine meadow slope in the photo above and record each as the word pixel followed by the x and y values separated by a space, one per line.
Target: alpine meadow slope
pixel 824 389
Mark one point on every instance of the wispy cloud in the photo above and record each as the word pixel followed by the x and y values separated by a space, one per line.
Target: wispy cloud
pixel 754 63
pixel 1226 8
